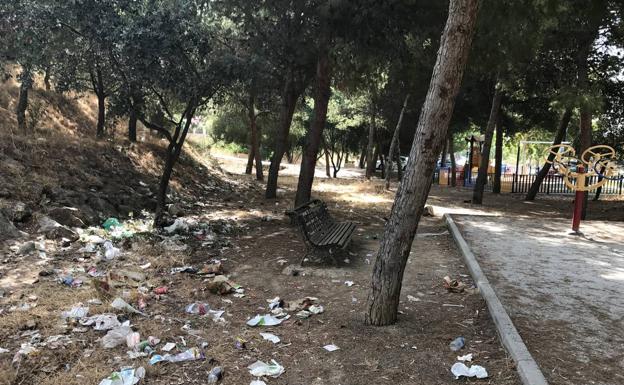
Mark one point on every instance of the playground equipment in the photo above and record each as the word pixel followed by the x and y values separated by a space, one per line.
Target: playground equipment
pixel 595 161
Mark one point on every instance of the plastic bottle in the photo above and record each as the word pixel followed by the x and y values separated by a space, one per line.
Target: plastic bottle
pixel 457 343
pixel 215 375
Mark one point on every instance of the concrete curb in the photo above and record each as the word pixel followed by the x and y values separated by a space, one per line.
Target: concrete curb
pixel 529 371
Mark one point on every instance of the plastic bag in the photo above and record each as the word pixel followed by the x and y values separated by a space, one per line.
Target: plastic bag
pixel 126 376
pixel 261 369
pixel 459 369
pixel 117 336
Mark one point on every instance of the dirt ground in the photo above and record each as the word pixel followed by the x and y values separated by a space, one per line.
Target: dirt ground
pixel 256 253
pixel 562 292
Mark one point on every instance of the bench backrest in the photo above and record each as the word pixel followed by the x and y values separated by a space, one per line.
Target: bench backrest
pixel 313 217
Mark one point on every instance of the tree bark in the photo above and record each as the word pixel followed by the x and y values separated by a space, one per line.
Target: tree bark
pixel 370 148
pixel 477 196
pixel 22 100
pixel 46 79
pixel 101 96
pixel 362 161
pixel 559 136
pixel 314 134
pixel 287 109
pixel 498 158
pixel 443 156
pixel 585 125
pixel 251 155
pixel 451 149
pixel 132 125
pixel 399 232
pixel 392 152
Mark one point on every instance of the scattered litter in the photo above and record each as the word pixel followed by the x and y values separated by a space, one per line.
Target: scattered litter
pixel 183 269
pixel 331 348
pixel 111 223
pixel 168 347
pixel 117 336
pixel 161 290
pixel 457 343
pixel 261 369
pixel 453 285
pixel 3 350
pixel 122 305
pixel 111 252
pixel 204 309
pixel 222 285
pixel 270 337
pixel 215 375
pixel 101 321
pixel 264 320
pixel 349 283
pixel 187 355
pixel 422 235
pixel 240 343
pixel 77 312
pixel 257 382
pixel 180 225
pixel 465 358
pixel 71 281
pixel 459 369
pixel 126 376
pixel 411 298
pixel 146 266
pixel 451 305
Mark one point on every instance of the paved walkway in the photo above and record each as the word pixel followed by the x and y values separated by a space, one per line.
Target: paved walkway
pixel 564 293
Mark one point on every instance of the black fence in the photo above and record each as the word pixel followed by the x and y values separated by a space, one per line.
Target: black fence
pixel 512 183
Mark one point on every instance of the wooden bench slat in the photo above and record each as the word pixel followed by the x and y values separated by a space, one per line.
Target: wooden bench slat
pixel 335 234
pixel 348 233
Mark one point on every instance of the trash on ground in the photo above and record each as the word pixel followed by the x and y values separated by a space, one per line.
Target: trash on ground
pixel 222 285
pixel 3 350
pixel 168 346
pixel 411 298
pixel 453 285
pixel 215 375
pixel 331 348
pixel 161 290
pixel 110 251
pixel 457 343
pixel 191 354
pixel 349 283
pixel 459 369
pixel 71 281
pixel 213 268
pixel 76 312
pixel 465 358
pixel 111 223
pixel 240 343
pixel 204 309
pixel 261 369
pixel 122 305
pixel 101 321
pixel 184 269
pixel 257 382
pixel 264 320
pixel 117 336
pixel 180 225
pixel 270 337
pixel 126 376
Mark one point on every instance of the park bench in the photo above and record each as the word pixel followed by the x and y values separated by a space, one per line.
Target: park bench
pixel 322 234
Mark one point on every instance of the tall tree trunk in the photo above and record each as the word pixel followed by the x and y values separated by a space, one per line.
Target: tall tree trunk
pixel 370 148
pixel 477 195
pixel 443 156
pixel 392 152
pixel 101 96
pixel 251 155
pixel 314 134
pixel 451 150
pixel 498 158
pixel 399 232
pixel 22 100
pixel 287 109
pixel 326 151
pixel 173 153
pixel 559 136
pixel 585 124
pixel 46 79
pixel 362 161
pixel 132 125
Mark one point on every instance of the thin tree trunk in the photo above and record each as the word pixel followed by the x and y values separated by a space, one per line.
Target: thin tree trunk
pixel 451 149
pixel 362 161
pixel 370 162
pixel 393 145
pixel 477 196
pixel 132 125
pixel 173 153
pixel 46 79
pixel 289 101
pixel 443 156
pixel 251 155
pixel 22 100
pixel 101 96
pixel 399 232
pixel 498 158
pixel 314 135
pixel 585 124
pixel 327 169
pixel 559 136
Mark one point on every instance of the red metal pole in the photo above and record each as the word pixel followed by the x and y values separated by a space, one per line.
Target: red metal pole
pixel 578 199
